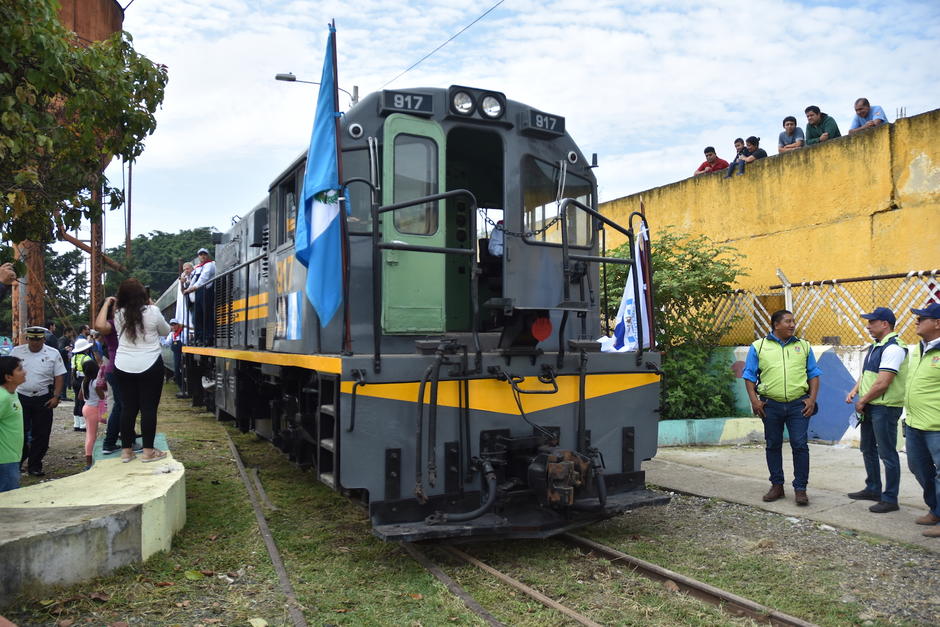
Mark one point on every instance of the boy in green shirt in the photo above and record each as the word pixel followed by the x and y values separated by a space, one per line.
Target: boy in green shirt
pixel 11 423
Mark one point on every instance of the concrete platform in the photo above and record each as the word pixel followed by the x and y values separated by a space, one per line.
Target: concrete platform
pixel 83 526
pixel 739 474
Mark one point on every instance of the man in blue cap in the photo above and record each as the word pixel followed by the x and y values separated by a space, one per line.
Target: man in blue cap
pixel 880 401
pixel 922 400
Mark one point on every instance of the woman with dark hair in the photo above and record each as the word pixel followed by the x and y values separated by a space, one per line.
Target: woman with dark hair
pixel 138 366
pixel 11 422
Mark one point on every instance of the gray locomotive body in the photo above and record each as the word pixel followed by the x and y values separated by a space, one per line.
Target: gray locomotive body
pixel 459 391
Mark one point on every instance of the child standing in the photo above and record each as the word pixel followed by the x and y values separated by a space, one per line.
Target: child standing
pixel 95 392
pixel 11 422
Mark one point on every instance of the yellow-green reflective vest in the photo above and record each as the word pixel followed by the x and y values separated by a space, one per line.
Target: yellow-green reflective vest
pixel 781 369
pixel 922 401
pixel 894 395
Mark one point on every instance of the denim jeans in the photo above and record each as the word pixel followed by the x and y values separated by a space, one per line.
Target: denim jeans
pixel 880 441
pixel 9 476
pixel 776 416
pixel 923 458
pixel 114 419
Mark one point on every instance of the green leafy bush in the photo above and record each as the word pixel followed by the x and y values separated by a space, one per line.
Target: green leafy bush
pixel 688 274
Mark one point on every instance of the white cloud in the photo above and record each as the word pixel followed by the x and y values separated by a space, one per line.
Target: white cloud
pixel 645 84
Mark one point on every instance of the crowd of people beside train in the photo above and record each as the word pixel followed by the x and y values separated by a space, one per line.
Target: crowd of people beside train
pixel 820 127
pixel 117 362
pixel 782 381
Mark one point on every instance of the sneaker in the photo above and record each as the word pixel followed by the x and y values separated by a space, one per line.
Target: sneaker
pixel 882 507
pixel 864 495
pixel 108 449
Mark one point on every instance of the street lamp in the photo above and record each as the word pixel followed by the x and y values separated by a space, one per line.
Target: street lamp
pixel 290 78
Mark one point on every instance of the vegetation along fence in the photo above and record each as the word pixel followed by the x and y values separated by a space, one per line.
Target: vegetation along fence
pixel 828 311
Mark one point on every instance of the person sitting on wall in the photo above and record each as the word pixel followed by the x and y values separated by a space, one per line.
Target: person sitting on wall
pixel 867 116
pixel 752 152
pixel 740 153
pixel 822 127
pixel 792 137
pixel 712 162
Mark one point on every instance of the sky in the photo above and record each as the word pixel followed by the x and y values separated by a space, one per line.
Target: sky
pixel 645 84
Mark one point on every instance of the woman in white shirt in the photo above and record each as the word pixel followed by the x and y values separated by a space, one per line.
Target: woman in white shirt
pixel 138 366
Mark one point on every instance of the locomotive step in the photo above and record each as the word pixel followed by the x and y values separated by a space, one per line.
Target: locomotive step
pixel 327 443
pixel 328 479
pixel 329 410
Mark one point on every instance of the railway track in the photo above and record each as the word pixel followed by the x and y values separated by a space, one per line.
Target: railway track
pixel 727 601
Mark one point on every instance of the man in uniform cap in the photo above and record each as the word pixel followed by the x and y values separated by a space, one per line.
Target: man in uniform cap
pixel 203 287
pixel 922 400
pixel 879 405
pixel 39 394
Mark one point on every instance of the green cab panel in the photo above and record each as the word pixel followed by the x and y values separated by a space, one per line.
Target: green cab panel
pixel 413 286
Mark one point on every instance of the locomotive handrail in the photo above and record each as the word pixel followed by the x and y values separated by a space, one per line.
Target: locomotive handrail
pixel 566 265
pixel 376 278
pixel 378 245
pixel 652 292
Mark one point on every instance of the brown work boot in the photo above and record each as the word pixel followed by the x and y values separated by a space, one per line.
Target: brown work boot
pixel 776 492
pixel 928 519
pixel 800 497
pixel 932 532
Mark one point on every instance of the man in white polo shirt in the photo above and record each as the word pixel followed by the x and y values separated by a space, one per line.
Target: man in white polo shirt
pixel 39 394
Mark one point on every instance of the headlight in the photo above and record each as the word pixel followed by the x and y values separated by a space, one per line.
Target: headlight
pixel 463 103
pixel 491 107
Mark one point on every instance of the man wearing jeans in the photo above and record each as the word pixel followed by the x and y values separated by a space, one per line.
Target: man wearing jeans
pixel 880 402
pixel 782 381
pixel 922 401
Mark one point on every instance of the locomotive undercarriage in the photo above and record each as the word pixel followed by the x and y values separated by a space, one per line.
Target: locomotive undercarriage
pixel 484 481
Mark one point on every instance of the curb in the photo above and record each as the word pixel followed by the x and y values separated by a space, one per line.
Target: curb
pixel 710 431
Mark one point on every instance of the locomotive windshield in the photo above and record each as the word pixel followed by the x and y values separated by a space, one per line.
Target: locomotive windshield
pixel 540 181
pixel 415 176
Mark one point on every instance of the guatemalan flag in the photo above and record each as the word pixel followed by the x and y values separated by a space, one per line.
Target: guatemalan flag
pixel 318 238
pixel 625 329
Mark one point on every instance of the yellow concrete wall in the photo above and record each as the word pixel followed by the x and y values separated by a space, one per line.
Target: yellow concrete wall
pixel 857 206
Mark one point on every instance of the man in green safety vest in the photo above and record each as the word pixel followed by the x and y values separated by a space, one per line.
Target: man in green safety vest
pixel 880 401
pixel 782 381
pixel 922 401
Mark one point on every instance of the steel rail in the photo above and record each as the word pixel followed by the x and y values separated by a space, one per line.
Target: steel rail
pixel 518 585
pixel 727 601
pixel 472 604
pixel 293 605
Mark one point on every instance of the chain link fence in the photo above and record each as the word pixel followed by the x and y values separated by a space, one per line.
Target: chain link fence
pixel 829 311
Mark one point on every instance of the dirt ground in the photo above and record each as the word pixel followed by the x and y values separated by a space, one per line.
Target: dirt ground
pixel 66 455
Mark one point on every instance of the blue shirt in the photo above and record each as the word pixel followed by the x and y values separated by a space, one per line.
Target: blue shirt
pixel 875 113
pixel 786 140
pixel 751 363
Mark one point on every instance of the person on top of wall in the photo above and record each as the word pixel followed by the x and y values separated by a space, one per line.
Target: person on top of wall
pixel 880 402
pixel 712 162
pixel 792 137
pixel 867 116
pixel 821 126
pixel 922 401
pixel 740 153
pixel 782 381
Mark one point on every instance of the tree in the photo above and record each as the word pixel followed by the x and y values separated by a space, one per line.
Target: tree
pixel 688 274
pixel 65 110
pixel 65 288
pixel 156 257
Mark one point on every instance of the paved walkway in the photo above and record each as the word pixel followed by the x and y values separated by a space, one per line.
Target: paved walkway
pixel 739 474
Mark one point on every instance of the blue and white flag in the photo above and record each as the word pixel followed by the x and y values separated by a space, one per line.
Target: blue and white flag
pixel 318 238
pixel 625 324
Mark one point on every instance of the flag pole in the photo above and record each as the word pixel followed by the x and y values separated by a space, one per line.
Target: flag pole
pixel 344 226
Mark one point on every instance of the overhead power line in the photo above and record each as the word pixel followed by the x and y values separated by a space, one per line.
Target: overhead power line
pixel 453 37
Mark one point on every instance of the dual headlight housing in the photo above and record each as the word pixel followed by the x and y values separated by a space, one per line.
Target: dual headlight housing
pixel 467 101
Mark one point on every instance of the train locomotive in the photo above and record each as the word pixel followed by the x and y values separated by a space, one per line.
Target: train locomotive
pixel 460 392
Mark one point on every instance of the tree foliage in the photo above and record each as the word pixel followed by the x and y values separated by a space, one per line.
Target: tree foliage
pixel 65 110
pixel 156 257
pixel 688 274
